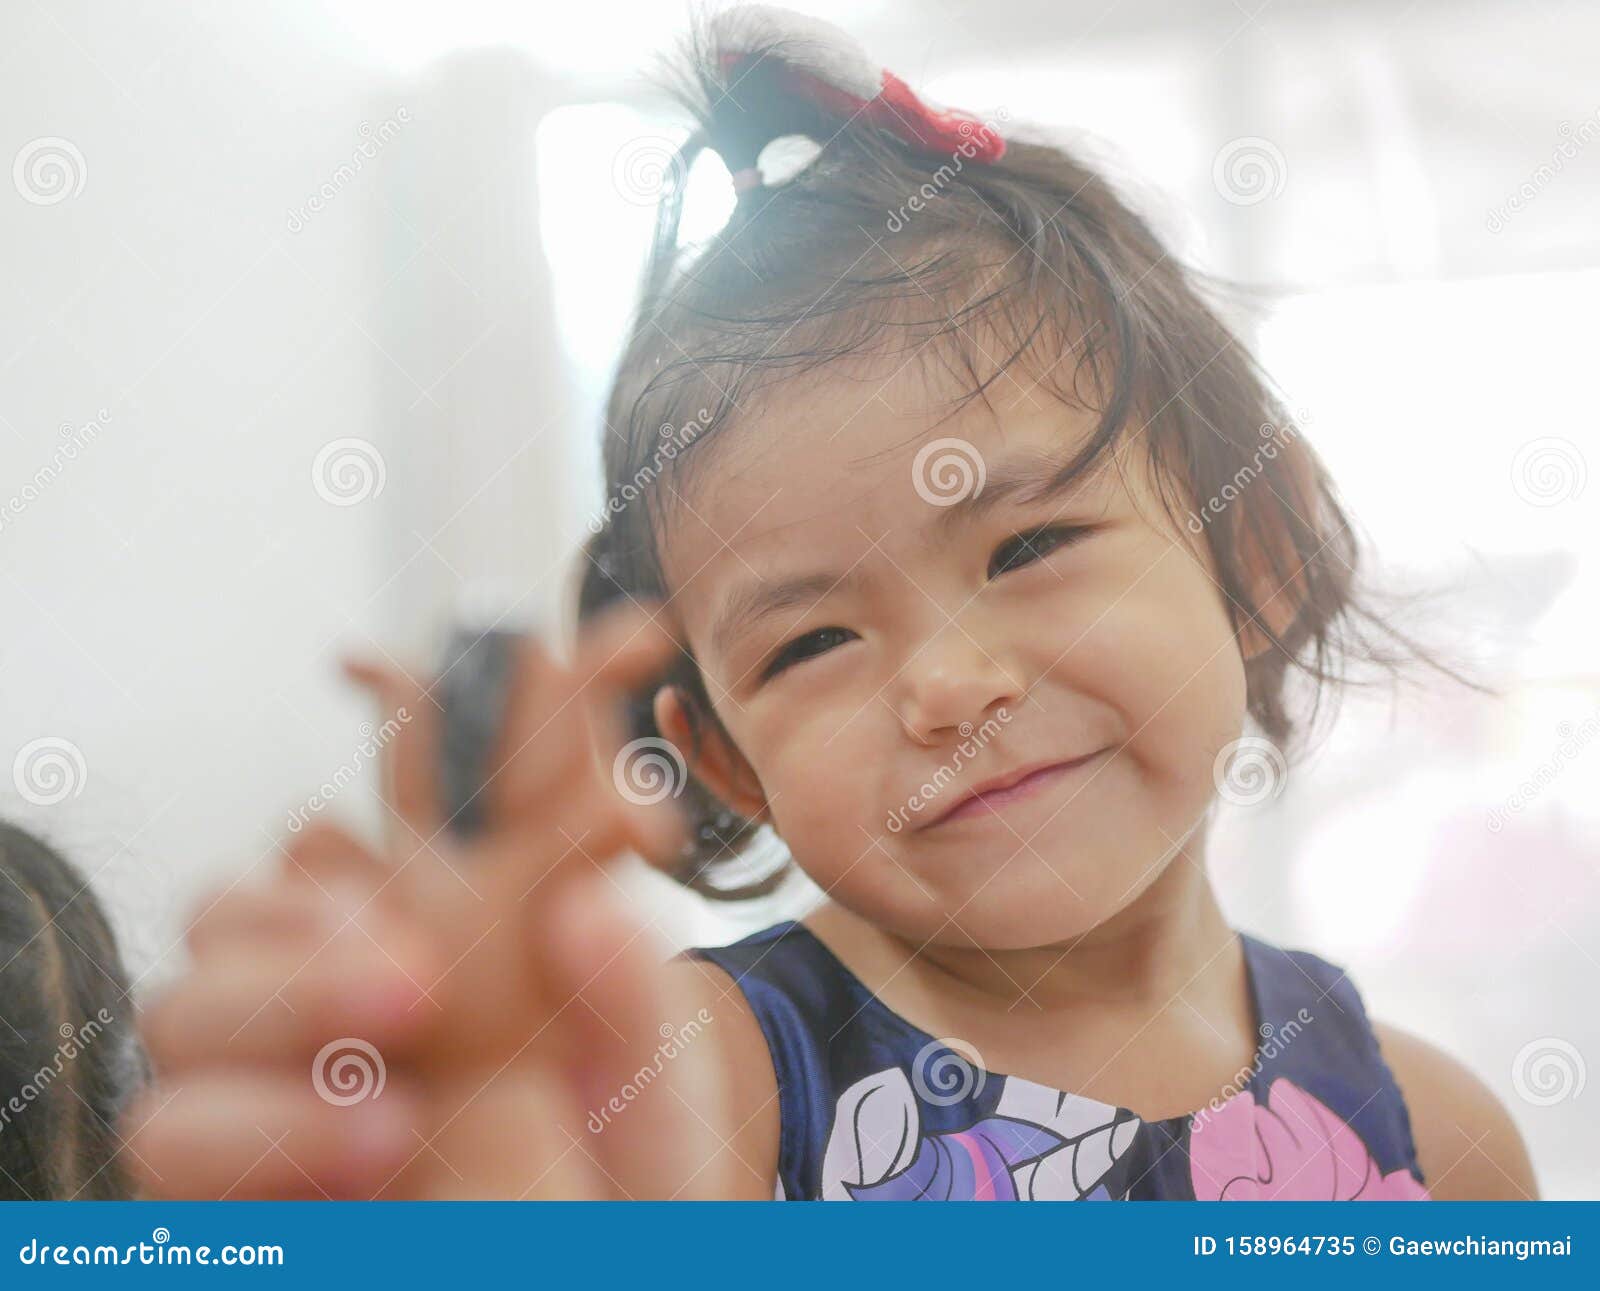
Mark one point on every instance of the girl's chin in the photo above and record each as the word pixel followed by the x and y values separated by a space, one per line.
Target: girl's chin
pixel 1039 911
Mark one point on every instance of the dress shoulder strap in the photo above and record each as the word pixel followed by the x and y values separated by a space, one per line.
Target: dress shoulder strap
pixel 1315 1032
pixel 802 999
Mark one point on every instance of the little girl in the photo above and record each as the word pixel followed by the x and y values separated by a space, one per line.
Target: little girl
pixel 981 540
pixel 70 1056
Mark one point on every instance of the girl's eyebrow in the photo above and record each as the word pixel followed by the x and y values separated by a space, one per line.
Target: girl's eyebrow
pixel 752 601
pixel 1026 478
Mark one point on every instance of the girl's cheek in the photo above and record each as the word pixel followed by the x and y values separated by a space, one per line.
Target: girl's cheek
pixel 823 789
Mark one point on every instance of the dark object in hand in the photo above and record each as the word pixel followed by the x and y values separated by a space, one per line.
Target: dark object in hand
pixel 473 689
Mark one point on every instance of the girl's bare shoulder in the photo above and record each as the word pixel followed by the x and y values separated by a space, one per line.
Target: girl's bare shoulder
pixel 1467 1144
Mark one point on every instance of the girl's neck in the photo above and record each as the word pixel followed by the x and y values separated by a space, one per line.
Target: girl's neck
pixel 1163 943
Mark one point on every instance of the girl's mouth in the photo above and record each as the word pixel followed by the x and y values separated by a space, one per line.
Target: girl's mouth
pixel 1001 791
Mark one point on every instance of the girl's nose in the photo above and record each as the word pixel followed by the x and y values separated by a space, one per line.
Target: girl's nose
pixel 953 679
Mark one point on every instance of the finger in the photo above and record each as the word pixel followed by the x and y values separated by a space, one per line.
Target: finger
pixel 548 728
pixel 326 851
pixel 352 878
pixel 328 877
pixel 541 746
pixel 624 1014
pixel 624 650
pixel 512 1137
pixel 410 769
pixel 581 833
pixel 417 843
pixel 280 1004
pixel 266 914
pixel 258 1134
pixel 643 779
pixel 559 802
pixel 624 646
pixel 495 1007
pixel 288 913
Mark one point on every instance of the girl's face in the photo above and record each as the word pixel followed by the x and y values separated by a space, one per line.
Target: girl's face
pixel 888 620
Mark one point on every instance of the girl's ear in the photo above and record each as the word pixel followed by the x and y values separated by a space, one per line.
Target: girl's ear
pixel 712 757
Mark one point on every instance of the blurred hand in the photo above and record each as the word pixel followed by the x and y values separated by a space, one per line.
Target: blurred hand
pixel 427 1020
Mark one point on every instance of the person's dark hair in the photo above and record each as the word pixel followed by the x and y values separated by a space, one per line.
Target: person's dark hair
pixel 70 1055
pixel 879 250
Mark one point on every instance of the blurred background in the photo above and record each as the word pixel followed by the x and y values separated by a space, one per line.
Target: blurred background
pixel 310 308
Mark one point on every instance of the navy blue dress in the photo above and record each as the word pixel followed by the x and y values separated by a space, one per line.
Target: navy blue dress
pixel 873 1108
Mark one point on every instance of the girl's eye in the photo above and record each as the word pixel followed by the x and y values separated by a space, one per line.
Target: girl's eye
pixel 806 647
pixel 1025 548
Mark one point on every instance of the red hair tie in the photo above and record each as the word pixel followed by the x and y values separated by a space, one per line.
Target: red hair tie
pixel 825 66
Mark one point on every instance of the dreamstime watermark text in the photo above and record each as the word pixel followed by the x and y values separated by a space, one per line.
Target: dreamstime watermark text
pixel 1575 738
pixel 674 1040
pixel 973 738
pixel 373 140
pixel 671 443
pixel 1274 439
pixel 75 440
pixel 74 1040
pixel 1274 1040
pixel 1574 138
pixel 372 743
pixel 975 137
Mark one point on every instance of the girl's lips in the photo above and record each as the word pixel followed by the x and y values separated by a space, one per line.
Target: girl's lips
pixel 991 800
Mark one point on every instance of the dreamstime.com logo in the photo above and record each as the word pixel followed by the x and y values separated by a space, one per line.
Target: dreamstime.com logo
pixel 1548 1071
pixel 348 471
pixel 674 1039
pixel 644 168
pixel 946 1072
pixel 160 1249
pixel 1249 771
pixel 49 170
pixel 947 471
pixel 649 770
pixel 49 770
pixel 348 1071
pixel 1548 471
pixel 1249 170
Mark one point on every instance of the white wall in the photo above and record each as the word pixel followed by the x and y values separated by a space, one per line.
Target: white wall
pixel 267 244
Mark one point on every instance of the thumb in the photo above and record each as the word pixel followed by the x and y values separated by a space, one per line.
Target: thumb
pixel 643 1057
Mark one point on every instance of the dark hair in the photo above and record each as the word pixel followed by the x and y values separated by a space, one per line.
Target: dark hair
pixel 70 1055
pixel 880 248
